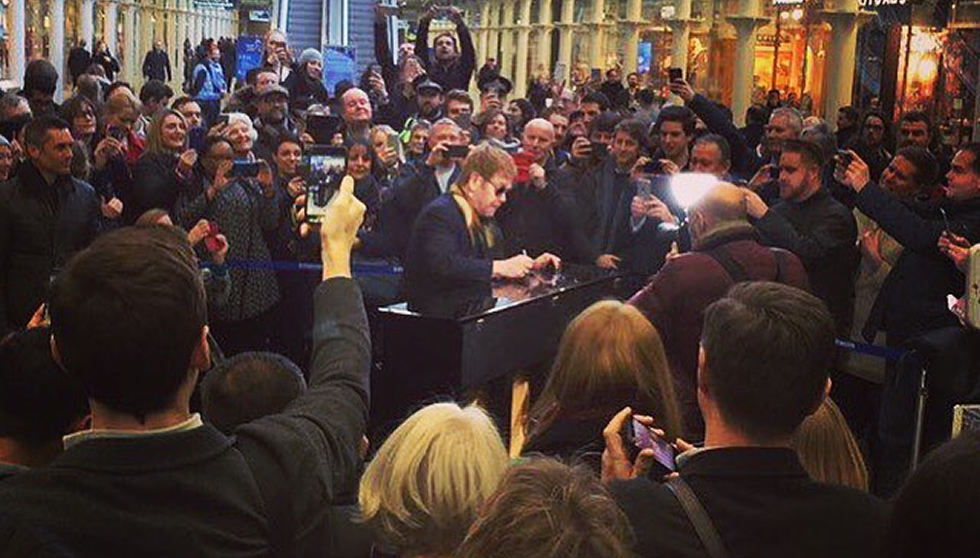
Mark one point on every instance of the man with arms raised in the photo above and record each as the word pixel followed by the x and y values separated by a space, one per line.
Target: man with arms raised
pixel 150 479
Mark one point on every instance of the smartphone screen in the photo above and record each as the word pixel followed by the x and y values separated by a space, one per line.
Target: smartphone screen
pixel 245 169
pixel 195 138
pixel 675 74
pixel 325 166
pixel 663 452
pixel 322 127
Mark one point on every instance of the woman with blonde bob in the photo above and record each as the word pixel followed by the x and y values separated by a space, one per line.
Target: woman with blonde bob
pixel 610 357
pixel 427 483
pixel 828 450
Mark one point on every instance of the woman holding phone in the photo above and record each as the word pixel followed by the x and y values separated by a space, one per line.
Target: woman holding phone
pixel 239 195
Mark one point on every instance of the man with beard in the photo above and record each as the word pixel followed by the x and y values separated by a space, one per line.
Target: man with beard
pixel 272 121
pixel 454 63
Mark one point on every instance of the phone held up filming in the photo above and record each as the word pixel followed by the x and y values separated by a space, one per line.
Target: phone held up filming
pixel 322 168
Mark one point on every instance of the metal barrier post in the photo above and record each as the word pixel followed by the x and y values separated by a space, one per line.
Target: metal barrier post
pixel 920 415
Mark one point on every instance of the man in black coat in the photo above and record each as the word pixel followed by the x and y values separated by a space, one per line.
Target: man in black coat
pixel 156 64
pixel 454 62
pixel 421 183
pixel 809 222
pixel 130 323
pixel 535 218
pixel 45 217
pixel 755 494
pixel 79 59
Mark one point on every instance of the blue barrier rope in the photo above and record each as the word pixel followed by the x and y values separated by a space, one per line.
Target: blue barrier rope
pixel 356 268
pixel 887 353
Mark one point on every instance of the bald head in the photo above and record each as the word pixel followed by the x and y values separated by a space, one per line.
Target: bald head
pixel 538 139
pixel 722 206
pixel 357 108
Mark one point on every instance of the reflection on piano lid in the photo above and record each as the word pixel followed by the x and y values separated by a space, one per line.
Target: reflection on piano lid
pixel 466 304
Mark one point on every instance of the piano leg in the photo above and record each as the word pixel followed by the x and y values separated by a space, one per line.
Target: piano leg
pixel 520 402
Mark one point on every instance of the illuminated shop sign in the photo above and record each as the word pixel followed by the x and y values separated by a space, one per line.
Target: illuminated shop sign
pixel 872 4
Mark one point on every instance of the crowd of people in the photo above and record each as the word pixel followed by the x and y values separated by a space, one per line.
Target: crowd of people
pixel 174 381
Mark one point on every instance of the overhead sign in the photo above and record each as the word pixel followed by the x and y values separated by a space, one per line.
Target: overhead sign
pixel 259 16
pixel 249 50
pixel 215 4
pixel 874 4
pixel 339 64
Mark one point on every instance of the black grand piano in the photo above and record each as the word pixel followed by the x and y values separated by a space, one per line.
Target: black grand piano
pixel 465 340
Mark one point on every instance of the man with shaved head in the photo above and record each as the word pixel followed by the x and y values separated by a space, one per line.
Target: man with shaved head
pixel 535 217
pixel 726 250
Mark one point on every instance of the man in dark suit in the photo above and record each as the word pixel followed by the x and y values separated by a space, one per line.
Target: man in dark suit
pixel 810 223
pixel 263 492
pixel 156 64
pixel 726 250
pixel 456 247
pixel 421 183
pixel 762 370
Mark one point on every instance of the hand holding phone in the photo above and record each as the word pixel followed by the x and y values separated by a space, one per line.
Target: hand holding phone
pixel 639 437
pixel 457 151
pixel 675 74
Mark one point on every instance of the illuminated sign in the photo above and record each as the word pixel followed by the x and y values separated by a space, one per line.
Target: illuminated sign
pixel 872 4
pixel 788 2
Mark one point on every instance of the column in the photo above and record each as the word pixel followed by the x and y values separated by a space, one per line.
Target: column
pixel 744 75
pixel 132 65
pixel 523 52
pixel 493 42
pixel 567 32
pixel 145 41
pixel 634 11
pixel 597 52
pixel 680 25
pixel 507 40
pixel 838 86
pixel 88 22
pixel 545 25
pixel 56 44
pixel 178 48
pixel 484 36
pixel 112 27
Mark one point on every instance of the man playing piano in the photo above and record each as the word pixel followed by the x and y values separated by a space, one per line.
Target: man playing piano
pixel 455 245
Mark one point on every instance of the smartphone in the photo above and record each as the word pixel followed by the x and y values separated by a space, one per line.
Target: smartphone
pixel 844 158
pixel 323 167
pixel 463 120
pixel 644 188
pixel 675 74
pixel 774 172
pixel 392 142
pixel 245 169
pixel 652 167
pixel 457 151
pixel 211 239
pixel 115 133
pixel 195 138
pixel 600 150
pixel 640 437
pixel 224 118
pixel 322 127
pixel 942 211
pixel 523 162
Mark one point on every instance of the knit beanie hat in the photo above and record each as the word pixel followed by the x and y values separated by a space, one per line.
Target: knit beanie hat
pixel 309 55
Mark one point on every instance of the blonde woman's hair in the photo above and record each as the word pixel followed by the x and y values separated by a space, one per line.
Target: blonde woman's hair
pixel 154 139
pixel 610 356
pixel 828 450
pixel 122 102
pixel 427 483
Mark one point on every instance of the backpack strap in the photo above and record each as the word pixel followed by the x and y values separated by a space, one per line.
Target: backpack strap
pixel 698 517
pixel 724 258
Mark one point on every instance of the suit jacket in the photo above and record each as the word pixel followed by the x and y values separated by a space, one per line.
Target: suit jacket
pixel 912 299
pixel 762 504
pixel 264 492
pixel 412 191
pixel 442 260
pixel 676 297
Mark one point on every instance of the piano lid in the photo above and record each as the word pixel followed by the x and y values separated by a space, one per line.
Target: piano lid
pixel 475 303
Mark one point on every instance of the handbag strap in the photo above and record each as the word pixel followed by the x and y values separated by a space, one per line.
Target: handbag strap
pixel 698 517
